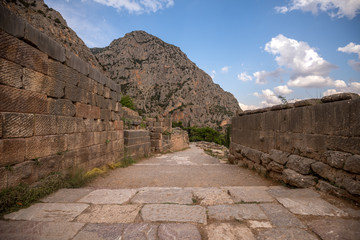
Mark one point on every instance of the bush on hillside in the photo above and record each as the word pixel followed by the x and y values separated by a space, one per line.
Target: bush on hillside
pixel 127 101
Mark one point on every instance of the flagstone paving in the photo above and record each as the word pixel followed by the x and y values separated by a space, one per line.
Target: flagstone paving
pixel 182 211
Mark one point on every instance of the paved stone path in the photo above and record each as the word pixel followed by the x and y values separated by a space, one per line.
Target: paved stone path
pixel 149 211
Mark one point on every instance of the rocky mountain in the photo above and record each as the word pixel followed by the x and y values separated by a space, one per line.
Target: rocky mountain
pixel 162 80
pixel 50 22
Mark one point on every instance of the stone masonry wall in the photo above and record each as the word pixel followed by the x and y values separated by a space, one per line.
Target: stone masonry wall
pixel 312 143
pixel 137 143
pixel 56 111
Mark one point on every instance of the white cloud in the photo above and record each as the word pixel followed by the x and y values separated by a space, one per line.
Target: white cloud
pixel 282 90
pixel 350 48
pixel 244 77
pixel 330 92
pixel 262 77
pixel 270 98
pixel 245 107
pixel 213 73
pixel 137 6
pixel 225 69
pixel 311 81
pixel 341 86
pixel 355 65
pixel 334 8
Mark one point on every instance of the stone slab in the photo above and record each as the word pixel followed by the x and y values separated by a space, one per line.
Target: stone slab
pixel 227 231
pixel 285 233
pixel 110 214
pixel 66 195
pixel 59 212
pixel 178 196
pixel 140 231
pixel 38 230
pixel 173 213
pixel 259 224
pixel 212 196
pixel 292 193
pixel 179 231
pixel 108 196
pixel 333 229
pixel 311 206
pixel 250 194
pixel 237 212
pixel 280 216
pixel 101 231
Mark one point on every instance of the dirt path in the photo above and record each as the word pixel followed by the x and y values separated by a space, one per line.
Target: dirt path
pixel 189 168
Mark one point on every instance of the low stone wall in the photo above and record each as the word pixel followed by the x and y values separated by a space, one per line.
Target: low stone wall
pixel 137 143
pixel 56 111
pixel 312 143
pixel 179 140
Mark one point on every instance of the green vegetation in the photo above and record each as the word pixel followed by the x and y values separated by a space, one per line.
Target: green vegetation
pixel 57 20
pixel 127 101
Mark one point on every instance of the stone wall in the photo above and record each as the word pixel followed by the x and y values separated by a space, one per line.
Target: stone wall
pixel 179 140
pixel 137 143
pixel 56 111
pixel 312 143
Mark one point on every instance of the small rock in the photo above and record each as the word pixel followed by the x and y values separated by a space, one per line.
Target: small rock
pixel 295 179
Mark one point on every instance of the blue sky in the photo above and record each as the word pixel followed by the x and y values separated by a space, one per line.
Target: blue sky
pixel 255 49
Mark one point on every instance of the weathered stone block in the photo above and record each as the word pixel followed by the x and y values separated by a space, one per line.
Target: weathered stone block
pixel 336 159
pixel 16 100
pixel 279 156
pixel 3 178
pixel 80 140
pixel 44 43
pixel 45 125
pixel 339 97
pixel 106 92
pixel 307 102
pixel 94 74
pixel 10 23
pixel 22 172
pixel 295 179
pixel 61 107
pixel 85 83
pixel 274 166
pixel 63 73
pixel 18 125
pixel 76 63
pixel 352 164
pixel 10 73
pixel 351 185
pixel 300 164
pixel 343 144
pixel 66 124
pixel 47 165
pixel 265 159
pixel 135 133
pixel 12 151
pixel 118 125
pixel 22 53
pixel 355 118
pixel 75 94
pixel 43 146
pixel 331 189
pixel 1 125
pixel 324 170
pixel 38 82
pixel 82 110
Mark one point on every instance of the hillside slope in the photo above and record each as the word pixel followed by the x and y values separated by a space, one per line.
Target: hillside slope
pixel 162 80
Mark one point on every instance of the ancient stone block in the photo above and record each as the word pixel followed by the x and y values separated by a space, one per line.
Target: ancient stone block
pixel 236 212
pixel 336 159
pixel 3 178
pixel 75 94
pixel 91 98
pixel 339 97
pixel 105 114
pixel 85 83
pixel 252 154
pixel 344 144
pixel 265 159
pixel 140 231
pixel 351 185
pixel 106 92
pixel 45 125
pixel 16 100
pixel 295 179
pixel 217 231
pixel 46 165
pixel 135 133
pixel 212 196
pixel 94 74
pixel 10 23
pixel 331 189
pixel 61 72
pixel 340 228
pixel 355 118
pixel 279 156
pixel 118 125
pixel 18 125
pixel 62 107
pixel 38 82
pixel 178 231
pixel 79 140
pixel 352 164
pixel 307 102
pixel 66 124
pixel 280 216
pixel 22 53
pixel 12 151
pixel 250 194
pixel 10 73
pixel 324 170
pixel 274 166
pixel 110 214
pixel 42 146
pixel 94 112
pixel 76 63
pixel 44 43
pixel 20 173
pixel 176 196
pixel 108 196
pixel 300 164
pixel 82 110
pixel 285 233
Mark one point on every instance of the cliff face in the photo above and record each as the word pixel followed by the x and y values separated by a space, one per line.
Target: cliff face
pixel 162 80
pixel 50 22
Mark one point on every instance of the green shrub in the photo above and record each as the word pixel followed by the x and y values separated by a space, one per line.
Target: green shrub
pixel 205 134
pixel 127 101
